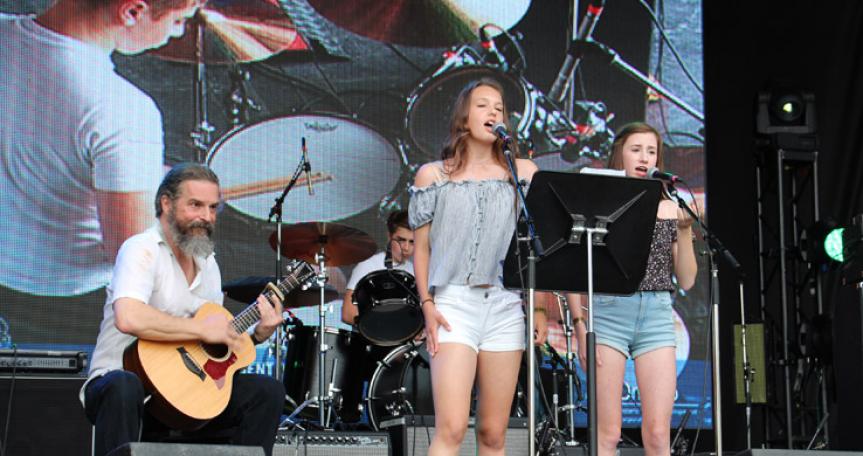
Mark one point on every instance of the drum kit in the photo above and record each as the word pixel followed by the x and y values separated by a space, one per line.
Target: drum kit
pixel 325 370
pixel 331 367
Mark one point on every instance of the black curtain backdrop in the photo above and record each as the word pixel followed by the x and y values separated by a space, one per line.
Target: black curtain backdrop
pixel 817 47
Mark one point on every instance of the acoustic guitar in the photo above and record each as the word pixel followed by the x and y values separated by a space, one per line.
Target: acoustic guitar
pixel 190 382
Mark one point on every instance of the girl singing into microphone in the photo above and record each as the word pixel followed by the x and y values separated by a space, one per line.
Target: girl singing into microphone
pixel 463 211
pixel 640 326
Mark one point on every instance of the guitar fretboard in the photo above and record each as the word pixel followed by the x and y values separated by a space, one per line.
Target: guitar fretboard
pixel 251 315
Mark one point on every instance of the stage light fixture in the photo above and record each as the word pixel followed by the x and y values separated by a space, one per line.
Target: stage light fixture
pixel 786 112
pixel 788 108
pixel 833 245
pixel 823 243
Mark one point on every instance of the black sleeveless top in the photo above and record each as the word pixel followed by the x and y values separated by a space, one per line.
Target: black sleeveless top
pixel 659 263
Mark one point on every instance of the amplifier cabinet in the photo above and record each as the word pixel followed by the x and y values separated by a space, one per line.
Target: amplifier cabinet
pixel 47 418
pixel 331 443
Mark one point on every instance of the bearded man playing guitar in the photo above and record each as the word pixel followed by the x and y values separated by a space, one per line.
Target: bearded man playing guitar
pixel 163 281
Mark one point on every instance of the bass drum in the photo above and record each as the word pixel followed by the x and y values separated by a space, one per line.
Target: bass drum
pixel 401 385
pixel 429 105
pixel 353 167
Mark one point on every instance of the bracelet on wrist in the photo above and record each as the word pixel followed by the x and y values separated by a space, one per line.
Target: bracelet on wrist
pixel 540 310
pixel 422 303
pixel 255 340
pixel 576 320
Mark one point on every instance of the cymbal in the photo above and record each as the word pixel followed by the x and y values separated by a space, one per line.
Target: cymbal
pixel 423 23
pixel 342 244
pixel 247 289
pixel 235 31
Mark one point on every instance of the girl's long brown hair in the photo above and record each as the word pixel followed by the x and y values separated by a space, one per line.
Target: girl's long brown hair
pixel 615 160
pixel 455 146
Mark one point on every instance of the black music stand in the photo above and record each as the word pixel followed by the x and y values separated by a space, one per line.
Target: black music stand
pixel 597 232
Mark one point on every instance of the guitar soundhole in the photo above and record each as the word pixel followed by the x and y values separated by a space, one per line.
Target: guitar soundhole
pixel 216 351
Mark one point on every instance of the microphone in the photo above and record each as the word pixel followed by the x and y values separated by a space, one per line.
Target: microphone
pixel 487 42
pixel 307 167
pixel 655 173
pixel 585 30
pixel 500 130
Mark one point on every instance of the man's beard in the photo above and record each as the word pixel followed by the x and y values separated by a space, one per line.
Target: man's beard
pixel 193 245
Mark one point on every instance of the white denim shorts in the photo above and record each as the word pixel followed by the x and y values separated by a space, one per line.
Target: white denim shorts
pixel 485 319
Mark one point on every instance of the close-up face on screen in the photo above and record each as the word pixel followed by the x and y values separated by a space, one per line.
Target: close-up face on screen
pixel 316 117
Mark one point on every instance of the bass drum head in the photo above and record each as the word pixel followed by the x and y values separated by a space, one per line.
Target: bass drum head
pixel 352 167
pixel 401 385
pixel 431 103
pixel 389 313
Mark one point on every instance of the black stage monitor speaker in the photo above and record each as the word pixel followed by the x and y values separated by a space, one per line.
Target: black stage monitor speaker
pixel 184 449
pixel 46 417
pixel 779 452
pixel 414 439
pixel 331 443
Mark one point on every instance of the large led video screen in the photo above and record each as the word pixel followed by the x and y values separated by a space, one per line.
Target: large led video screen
pixel 366 87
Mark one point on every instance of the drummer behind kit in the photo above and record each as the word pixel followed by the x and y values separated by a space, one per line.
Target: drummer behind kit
pixel 381 299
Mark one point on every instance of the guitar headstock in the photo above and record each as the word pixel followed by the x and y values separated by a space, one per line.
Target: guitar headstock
pixel 299 273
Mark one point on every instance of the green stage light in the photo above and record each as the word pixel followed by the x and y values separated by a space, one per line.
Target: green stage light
pixel 834 246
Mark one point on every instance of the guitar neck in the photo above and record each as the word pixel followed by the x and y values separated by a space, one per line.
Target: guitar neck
pixel 251 314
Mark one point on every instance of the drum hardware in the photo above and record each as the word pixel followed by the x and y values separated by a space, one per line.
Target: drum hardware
pixel 239 101
pixel 401 386
pixel 573 384
pixel 250 162
pixel 501 53
pixel 327 244
pixel 235 31
pixel 203 129
pixel 539 124
pixel 389 308
pixel 347 357
pixel 344 244
pixel 229 32
pixel 391 202
pixel 419 24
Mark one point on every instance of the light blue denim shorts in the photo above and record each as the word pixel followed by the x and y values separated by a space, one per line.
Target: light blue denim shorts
pixel 634 324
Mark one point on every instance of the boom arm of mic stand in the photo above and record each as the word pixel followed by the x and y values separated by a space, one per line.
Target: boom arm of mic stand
pixel 712 241
pixel 613 58
pixel 276 210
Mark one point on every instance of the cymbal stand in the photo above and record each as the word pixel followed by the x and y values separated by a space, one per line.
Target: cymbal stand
pixel 571 389
pixel 324 399
pixel 203 129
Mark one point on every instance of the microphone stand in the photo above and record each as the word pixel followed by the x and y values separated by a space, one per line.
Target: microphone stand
pixel 582 47
pixel 715 246
pixel 535 251
pixel 276 211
